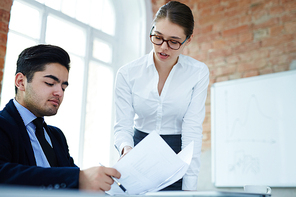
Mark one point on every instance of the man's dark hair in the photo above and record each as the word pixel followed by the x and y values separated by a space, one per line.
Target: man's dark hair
pixel 34 59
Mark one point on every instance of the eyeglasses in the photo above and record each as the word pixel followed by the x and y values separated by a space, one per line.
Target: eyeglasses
pixel 158 40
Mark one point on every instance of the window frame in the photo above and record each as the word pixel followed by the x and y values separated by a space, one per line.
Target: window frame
pixel 117 41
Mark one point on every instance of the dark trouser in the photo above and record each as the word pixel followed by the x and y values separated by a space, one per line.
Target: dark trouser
pixel 174 141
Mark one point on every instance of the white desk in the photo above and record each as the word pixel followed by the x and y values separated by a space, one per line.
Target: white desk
pixel 35 192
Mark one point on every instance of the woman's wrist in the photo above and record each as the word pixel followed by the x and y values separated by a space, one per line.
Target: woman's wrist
pixel 126 149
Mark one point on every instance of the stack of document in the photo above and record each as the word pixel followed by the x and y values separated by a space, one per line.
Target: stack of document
pixel 151 166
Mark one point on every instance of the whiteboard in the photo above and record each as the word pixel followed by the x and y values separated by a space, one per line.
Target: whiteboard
pixel 253 123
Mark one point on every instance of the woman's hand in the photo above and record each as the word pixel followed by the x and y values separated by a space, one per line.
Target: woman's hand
pixel 125 150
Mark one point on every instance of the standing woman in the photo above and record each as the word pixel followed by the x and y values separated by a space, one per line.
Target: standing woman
pixel 164 91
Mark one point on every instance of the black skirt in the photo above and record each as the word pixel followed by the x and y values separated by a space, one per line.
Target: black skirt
pixel 174 141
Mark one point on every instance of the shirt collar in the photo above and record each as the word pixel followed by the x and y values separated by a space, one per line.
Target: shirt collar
pixel 150 59
pixel 151 62
pixel 26 115
pixel 181 60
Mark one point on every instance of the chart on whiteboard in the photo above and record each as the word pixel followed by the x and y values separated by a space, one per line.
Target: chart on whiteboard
pixel 253 130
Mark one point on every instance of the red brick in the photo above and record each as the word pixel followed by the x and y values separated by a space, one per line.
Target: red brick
pixel 223 70
pixel 3 39
pixel 220 61
pixel 290 47
pixel 277 40
pixel 286 1
pixel 210 19
pixel 276 10
pixel 209 63
pixel 219 44
pixel 267 23
pixel 6 4
pixel 208 4
pixel 280 68
pixel 201 56
pixel 276 30
pixel 242 67
pixel 220 53
pixel 232 4
pixel 278 60
pixel 207 29
pixel 290 6
pixel 223 78
pixel 208 38
pixel 218 9
pixel 1 63
pixel 231 23
pixel 251 73
pixel 247 37
pixel 246 47
pixel 219 26
pixel 261 53
pixel 232 41
pixel 260 34
pixel 246 19
pixel 2 51
pixel 266 70
pixel 212 80
pixel 291 57
pixel 233 59
pixel 156 4
pixel 290 27
pixel 206 12
pixel 235 76
pixel 241 11
pixel 226 24
pixel 208 110
pixel 236 31
pixel 206 46
pixel 277 50
pixel 256 6
pixel 1 78
pixel 289 17
pixel 4 15
pixel 270 3
pixel 3 27
pixel 208 100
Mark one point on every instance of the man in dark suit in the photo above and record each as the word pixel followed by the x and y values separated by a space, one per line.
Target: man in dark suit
pixel 31 152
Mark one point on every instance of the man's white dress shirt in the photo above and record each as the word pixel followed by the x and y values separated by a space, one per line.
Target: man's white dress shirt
pixel 180 109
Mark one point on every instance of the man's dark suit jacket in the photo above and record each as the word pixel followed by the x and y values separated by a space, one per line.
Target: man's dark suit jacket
pixel 17 160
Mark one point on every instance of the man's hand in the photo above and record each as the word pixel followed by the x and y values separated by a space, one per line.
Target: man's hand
pixel 97 178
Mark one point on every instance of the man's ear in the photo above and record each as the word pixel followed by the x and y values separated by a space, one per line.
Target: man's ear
pixel 20 80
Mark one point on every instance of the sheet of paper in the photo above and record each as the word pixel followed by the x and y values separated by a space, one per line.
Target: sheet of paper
pixel 151 166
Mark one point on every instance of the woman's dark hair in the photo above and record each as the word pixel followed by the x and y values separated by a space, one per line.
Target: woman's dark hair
pixel 178 13
pixel 34 59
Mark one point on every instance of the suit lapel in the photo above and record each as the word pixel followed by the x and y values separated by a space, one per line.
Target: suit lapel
pixel 58 149
pixel 16 119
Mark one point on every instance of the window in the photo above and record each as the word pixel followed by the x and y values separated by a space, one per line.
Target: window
pixel 96 35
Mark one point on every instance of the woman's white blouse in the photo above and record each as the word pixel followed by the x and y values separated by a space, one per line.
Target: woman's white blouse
pixel 180 109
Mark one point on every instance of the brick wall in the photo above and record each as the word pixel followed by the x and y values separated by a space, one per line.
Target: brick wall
pixel 240 38
pixel 235 38
pixel 5 6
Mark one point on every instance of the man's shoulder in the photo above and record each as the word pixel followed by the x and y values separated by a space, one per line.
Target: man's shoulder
pixel 8 115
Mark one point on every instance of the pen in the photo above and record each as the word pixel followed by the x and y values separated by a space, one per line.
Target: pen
pixel 117 182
